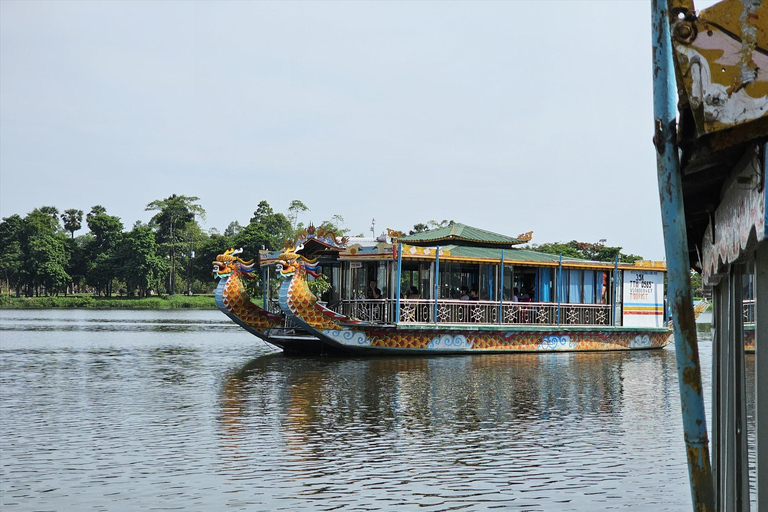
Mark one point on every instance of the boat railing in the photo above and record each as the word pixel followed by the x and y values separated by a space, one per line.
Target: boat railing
pixel 273 306
pixel 422 311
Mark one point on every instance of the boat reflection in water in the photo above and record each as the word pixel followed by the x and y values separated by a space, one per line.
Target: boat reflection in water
pixel 569 430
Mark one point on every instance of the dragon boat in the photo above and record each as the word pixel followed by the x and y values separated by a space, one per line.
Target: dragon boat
pixel 527 301
pixel 233 299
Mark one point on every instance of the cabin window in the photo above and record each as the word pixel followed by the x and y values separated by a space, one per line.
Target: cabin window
pixel 332 273
pixel 415 274
pixel 455 275
pixel 578 286
pixel 363 273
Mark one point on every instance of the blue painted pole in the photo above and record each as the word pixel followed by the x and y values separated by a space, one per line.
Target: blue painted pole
pixel 397 286
pixel 678 264
pixel 501 286
pixel 437 281
pixel 557 291
pixel 615 289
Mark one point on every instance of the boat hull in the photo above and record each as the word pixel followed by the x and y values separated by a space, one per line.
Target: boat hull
pixel 491 339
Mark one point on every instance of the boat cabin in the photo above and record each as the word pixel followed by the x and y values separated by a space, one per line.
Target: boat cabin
pixel 465 275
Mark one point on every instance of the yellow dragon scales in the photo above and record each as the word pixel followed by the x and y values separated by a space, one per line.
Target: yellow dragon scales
pixel 232 298
pixel 296 295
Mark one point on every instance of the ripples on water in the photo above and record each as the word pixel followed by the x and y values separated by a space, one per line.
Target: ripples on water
pixel 106 410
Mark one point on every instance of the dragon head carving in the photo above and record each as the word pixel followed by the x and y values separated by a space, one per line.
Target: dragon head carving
pixel 229 263
pixel 290 262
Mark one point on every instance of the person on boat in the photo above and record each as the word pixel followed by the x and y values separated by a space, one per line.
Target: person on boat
pixel 515 293
pixel 373 292
pixel 413 293
pixel 464 293
pixel 525 297
pixel 473 294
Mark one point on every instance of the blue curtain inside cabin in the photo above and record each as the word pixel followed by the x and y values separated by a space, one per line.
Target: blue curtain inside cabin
pixel 545 280
pixel 589 287
pixel 574 286
pixel 562 285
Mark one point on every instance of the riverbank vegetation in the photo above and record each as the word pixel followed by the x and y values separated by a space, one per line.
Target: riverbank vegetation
pixel 40 256
pixel 177 301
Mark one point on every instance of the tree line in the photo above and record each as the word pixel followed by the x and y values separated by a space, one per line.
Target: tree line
pixel 40 254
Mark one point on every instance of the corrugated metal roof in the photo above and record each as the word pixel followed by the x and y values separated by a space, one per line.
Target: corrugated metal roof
pixel 461 234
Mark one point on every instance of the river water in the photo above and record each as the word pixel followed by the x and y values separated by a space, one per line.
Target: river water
pixel 182 410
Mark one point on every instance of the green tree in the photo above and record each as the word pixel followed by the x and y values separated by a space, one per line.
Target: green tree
pixel 266 228
pixel 140 266
pixel 73 220
pixel 43 252
pixel 335 224
pixel 233 229
pixel 418 228
pixel 296 207
pixel 11 234
pixel 53 213
pixel 587 251
pixel 206 252
pixel 172 226
pixel 102 265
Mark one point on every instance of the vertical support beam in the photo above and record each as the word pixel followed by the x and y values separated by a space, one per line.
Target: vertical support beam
pixel 397 291
pixel 501 287
pixel 557 289
pixel 761 373
pixel 437 282
pixel 733 495
pixel 719 341
pixel 615 289
pixel 678 265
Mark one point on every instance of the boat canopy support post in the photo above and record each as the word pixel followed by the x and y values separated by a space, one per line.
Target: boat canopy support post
pixel 559 285
pixel 678 265
pixel 397 284
pixel 615 293
pixel 437 282
pixel 501 287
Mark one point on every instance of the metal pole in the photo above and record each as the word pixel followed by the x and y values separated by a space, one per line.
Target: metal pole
pixel 397 286
pixel 501 286
pixel 761 369
pixel 557 290
pixel 615 289
pixel 437 280
pixel 678 265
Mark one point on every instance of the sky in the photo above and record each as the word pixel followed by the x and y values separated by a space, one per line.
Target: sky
pixel 508 116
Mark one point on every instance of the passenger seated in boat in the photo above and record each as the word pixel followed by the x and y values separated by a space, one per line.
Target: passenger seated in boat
pixel 373 292
pixel 413 293
pixel 473 294
pixel 525 297
pixel 515 293
pixel 464 293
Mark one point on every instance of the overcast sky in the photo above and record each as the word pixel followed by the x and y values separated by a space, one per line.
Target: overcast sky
pixel 509 116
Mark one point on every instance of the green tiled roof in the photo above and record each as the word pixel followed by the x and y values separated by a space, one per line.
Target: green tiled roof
pixel 461 234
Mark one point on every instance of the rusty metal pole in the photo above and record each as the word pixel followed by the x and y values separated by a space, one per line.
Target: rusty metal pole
pixel 678 264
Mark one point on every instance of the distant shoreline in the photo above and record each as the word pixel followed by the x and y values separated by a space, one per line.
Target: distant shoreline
pixel 204 302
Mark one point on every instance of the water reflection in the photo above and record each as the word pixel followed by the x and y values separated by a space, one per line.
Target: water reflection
pixel 519 430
